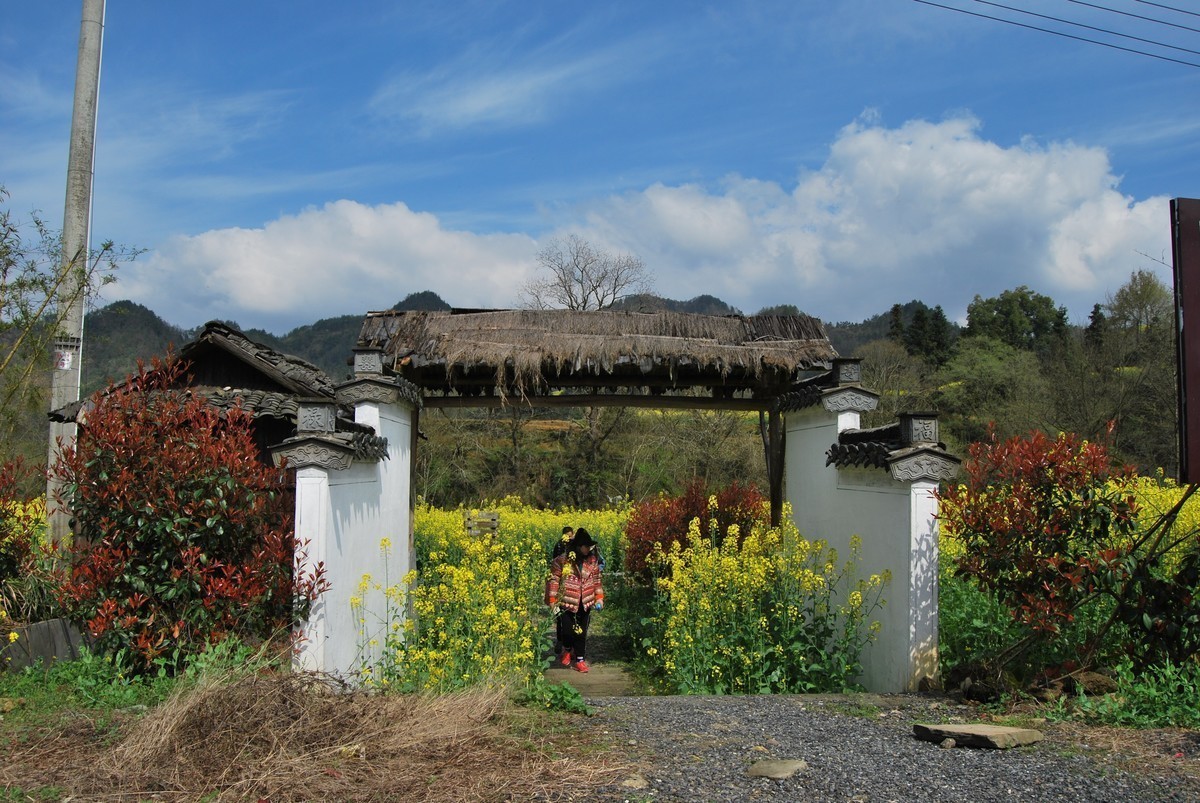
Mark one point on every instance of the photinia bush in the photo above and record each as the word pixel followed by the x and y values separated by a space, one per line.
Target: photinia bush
pixel 182 534
pixel 1052 531
pixel 1039 525
pixel 664 521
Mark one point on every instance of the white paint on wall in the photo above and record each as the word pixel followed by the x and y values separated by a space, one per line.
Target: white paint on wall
pixel 897 524
pixel 344 516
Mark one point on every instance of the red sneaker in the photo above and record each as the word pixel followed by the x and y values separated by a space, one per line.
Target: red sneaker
pixel 566 658
pixel 581 666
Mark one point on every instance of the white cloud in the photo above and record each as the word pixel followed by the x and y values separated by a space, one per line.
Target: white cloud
pixel 498 88
pixel 931 211
pixel 341 258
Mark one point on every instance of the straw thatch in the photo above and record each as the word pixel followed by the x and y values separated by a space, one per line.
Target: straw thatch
pixel 542 350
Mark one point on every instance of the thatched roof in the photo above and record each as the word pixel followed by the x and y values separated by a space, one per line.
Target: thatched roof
pixel 537 351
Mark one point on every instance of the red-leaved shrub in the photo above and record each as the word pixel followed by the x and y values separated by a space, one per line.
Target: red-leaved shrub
pixel 665 520
pixel 1039 525
pixel 182 534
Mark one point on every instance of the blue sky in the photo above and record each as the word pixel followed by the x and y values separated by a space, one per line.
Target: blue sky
pixel 286 162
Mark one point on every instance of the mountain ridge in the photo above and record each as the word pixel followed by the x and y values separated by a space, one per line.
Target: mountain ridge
pixel 120 334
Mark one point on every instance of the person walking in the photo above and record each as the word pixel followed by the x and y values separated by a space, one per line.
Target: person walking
pixel 576 589
pixel 560 546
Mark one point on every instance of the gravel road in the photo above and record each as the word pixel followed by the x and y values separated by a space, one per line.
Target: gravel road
pixel 857 748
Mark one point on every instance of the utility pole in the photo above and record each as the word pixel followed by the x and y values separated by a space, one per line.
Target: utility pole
pixel 72 292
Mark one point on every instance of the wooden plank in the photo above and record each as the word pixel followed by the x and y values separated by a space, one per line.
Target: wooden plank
pixel 485 521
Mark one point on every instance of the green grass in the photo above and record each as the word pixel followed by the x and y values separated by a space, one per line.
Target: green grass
pixel 43 793
pixel 41 696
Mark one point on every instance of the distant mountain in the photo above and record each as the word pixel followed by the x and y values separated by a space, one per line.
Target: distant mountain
pixel 700 305
pixel 118 335
pixel 848 337
pixel 424 300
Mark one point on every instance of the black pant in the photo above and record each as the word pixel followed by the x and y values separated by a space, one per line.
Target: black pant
pixel 572 639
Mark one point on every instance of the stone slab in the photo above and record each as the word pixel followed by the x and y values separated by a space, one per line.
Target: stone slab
pixel 777 769
pixel 44 642
pixel 996 737
pixel 604 680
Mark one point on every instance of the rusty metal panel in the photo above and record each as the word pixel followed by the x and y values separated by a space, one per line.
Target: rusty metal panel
pixel 1185 250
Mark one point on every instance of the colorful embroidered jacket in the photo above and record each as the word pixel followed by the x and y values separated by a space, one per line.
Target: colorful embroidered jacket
pixel 575 585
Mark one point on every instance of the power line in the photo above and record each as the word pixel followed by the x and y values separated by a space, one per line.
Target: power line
pixel 1169 8
pixel 1089 27
pixel 1135 16
pixel 1059 33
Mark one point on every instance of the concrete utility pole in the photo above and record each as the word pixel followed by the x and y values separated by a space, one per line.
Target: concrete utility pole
pixel 72 294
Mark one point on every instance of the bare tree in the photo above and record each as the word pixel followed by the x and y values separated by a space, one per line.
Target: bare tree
pixel 36 290
pixel 577 275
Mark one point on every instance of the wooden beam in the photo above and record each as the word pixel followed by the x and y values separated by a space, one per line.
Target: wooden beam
pixel 487 384
pixel 599 400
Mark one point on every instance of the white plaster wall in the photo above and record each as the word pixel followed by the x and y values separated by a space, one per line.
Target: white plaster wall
pixel 345 516
pixel 895 522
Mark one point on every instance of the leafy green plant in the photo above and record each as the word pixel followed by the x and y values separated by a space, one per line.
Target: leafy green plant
pixel 972 624
pixel 540 693
pixel 1167 695
pixel 183 534
pixel 91 681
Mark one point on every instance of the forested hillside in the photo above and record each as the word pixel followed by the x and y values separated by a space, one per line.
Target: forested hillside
pixel 1018 365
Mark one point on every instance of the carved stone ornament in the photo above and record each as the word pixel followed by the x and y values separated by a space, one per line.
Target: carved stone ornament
pixel 316 417
pixel 367 390
pixel 313 453
pixel 849 400
pixel 368 361
pixel 847 371
pixel 924 466
pixel 919 428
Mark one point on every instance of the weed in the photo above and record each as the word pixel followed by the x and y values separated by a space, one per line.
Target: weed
pixel 853 707
pixel 1159 696
pixel 557 697
pixel 42 793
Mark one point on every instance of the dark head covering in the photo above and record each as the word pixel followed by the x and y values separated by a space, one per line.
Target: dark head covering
pixel 583 538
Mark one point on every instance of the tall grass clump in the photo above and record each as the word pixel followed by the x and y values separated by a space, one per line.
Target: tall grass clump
pixel 762 612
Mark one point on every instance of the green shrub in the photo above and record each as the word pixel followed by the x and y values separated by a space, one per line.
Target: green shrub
pixel 972 624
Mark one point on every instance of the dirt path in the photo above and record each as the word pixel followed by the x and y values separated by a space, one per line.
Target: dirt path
pixel 608 677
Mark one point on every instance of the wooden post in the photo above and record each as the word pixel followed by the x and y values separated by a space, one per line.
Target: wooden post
pixel 775 465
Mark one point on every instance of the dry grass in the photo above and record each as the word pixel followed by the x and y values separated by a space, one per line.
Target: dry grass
pixel 289 737
pixel 545 346
pixel 1157 751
